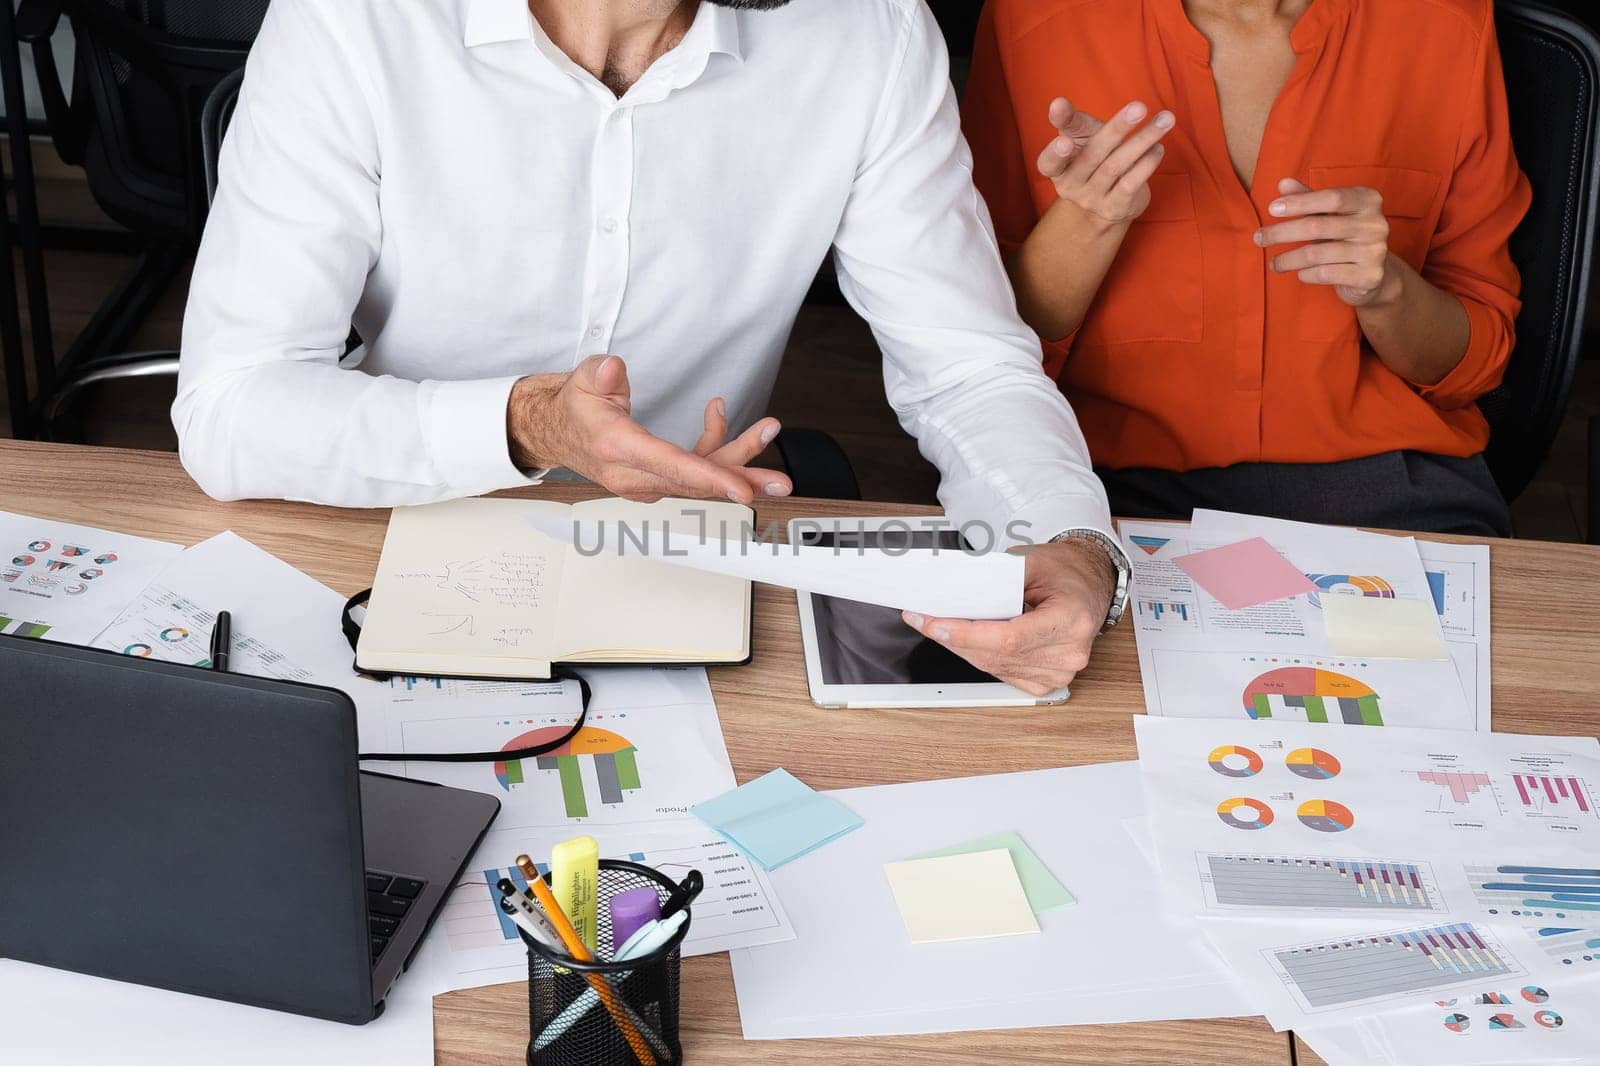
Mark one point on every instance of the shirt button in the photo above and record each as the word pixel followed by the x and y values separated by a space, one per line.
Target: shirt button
pixel 594 331
pixel 609 225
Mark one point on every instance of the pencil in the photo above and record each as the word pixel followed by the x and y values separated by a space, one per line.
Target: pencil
pixel 575 948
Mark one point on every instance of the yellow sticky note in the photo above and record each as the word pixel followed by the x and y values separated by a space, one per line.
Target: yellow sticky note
pixel 1382 628
pixel 961 897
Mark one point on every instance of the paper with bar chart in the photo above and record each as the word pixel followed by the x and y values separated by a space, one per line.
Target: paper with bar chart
pixel 1200 660
pixel 64 582
pixel 1336 972
pixel 475 944
pixel 1274 818
pixel 650 748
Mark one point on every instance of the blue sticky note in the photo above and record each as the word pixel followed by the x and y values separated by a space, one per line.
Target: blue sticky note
pixel 776 818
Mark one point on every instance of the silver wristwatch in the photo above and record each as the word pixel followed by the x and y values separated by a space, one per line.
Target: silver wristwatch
pixel 1113 550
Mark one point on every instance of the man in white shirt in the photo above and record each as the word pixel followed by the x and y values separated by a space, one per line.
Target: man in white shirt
pixel 499 193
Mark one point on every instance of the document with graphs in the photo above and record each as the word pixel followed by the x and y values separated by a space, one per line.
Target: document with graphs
pixel 1272 819
pixel 1276 660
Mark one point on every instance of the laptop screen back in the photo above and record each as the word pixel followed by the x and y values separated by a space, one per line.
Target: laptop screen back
pixel 181 828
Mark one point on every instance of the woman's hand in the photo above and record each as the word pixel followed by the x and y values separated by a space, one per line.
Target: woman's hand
pixel 1104 168
pixel 1346 240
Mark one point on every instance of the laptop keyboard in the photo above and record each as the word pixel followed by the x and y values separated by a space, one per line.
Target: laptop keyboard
pixel 389 900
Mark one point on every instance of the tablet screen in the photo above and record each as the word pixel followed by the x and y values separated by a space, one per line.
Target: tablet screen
pixel 863 644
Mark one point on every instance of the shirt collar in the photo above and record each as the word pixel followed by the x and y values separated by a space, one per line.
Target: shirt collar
pixel 493 21
pixel 715 28
pixel 1319 22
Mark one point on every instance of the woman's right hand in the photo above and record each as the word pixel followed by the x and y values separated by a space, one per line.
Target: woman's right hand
pixel 1104 168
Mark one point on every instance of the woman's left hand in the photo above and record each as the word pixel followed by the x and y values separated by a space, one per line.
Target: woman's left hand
pixel 1343 237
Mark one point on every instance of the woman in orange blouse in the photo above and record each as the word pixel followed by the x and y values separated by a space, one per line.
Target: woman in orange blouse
pixel 1265 244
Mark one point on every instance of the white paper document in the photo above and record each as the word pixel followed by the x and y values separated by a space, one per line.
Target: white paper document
pixel 63 582
pixel 66 1019
pixel 936 583
pixel 853 971
pixel 1515 1021
pixel 1457 578
pixel 1198 659
pixel 1309 973
pixel 1262 819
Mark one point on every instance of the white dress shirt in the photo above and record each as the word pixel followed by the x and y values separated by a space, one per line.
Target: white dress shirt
pixel 439 174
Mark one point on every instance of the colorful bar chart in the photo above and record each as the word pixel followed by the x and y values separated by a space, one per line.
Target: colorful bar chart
pixel 1154 609
pixel 15 627
pixel 410 683
pixel 1312 695
pixel 613 757
pixel 1461 786
pixel 1536 891
pixel 1336 973
pixel 1305 881
pixel 1549 795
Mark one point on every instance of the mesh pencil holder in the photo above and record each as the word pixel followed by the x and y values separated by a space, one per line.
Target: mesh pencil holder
pixel 571 1025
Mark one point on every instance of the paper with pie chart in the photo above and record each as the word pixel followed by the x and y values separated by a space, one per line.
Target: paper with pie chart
pixel 646 753
pixel 1272 818
pixel 65 583
pixel 1276 660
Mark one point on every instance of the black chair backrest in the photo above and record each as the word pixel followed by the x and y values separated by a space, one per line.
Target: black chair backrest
pixel 1552 73
pixel 147 66
pixel 214 119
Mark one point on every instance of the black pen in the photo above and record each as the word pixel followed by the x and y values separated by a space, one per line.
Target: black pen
pixel 221 641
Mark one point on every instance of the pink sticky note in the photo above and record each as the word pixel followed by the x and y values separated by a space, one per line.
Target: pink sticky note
pixel 1244 574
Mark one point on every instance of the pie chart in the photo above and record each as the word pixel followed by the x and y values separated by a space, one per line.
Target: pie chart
pixel 1230 760
pixel 1535 994
pixel 1547 1018
pixel 1457 1023
pixel 1244 813
pixel 1325 816
pixel 1312 763
pixel 1506 1021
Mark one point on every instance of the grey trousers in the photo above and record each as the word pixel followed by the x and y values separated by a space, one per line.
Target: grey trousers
pixel 1394 490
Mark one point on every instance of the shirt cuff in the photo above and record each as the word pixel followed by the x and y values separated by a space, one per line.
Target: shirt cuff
pixel 1462 385
pixel 464 423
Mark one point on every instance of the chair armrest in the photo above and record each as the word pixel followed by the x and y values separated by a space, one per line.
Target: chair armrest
pixel 37 22
pixel 817 465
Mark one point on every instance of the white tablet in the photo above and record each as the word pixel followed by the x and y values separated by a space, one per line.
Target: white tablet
pixel 862 655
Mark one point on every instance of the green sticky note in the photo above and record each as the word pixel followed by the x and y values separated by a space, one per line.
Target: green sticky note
pixel 1044 892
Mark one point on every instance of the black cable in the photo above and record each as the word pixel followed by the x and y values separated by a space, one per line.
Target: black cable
pixel 499 756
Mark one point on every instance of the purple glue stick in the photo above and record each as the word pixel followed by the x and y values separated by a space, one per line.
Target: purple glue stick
pixel 630 911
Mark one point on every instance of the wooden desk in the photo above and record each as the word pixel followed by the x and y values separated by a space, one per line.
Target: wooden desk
pixel 1546 679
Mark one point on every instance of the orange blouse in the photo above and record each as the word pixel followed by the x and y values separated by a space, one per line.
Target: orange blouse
pixel 1194 353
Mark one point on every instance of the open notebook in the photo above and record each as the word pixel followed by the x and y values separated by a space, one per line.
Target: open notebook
pixel 470 589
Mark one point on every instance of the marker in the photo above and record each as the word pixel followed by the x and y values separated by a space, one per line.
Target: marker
pixel 221 641
pixel 631 911
pixel 684 894
pixel 575 878
pixel 577 949
pixel 644 941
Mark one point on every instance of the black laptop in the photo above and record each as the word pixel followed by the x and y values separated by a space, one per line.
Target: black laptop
pixel 210 833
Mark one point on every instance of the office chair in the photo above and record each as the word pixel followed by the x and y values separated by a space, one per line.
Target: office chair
pixel 142 72
pixel 1552 73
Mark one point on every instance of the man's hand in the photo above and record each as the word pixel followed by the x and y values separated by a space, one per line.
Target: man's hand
pixel 1104 167
pixel 581 421
pixel 1068 590
pixel 1347 239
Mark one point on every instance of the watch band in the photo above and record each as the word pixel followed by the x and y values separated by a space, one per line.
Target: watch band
pixel 1119 598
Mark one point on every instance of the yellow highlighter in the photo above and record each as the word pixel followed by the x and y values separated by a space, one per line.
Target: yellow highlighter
pixel 575 879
